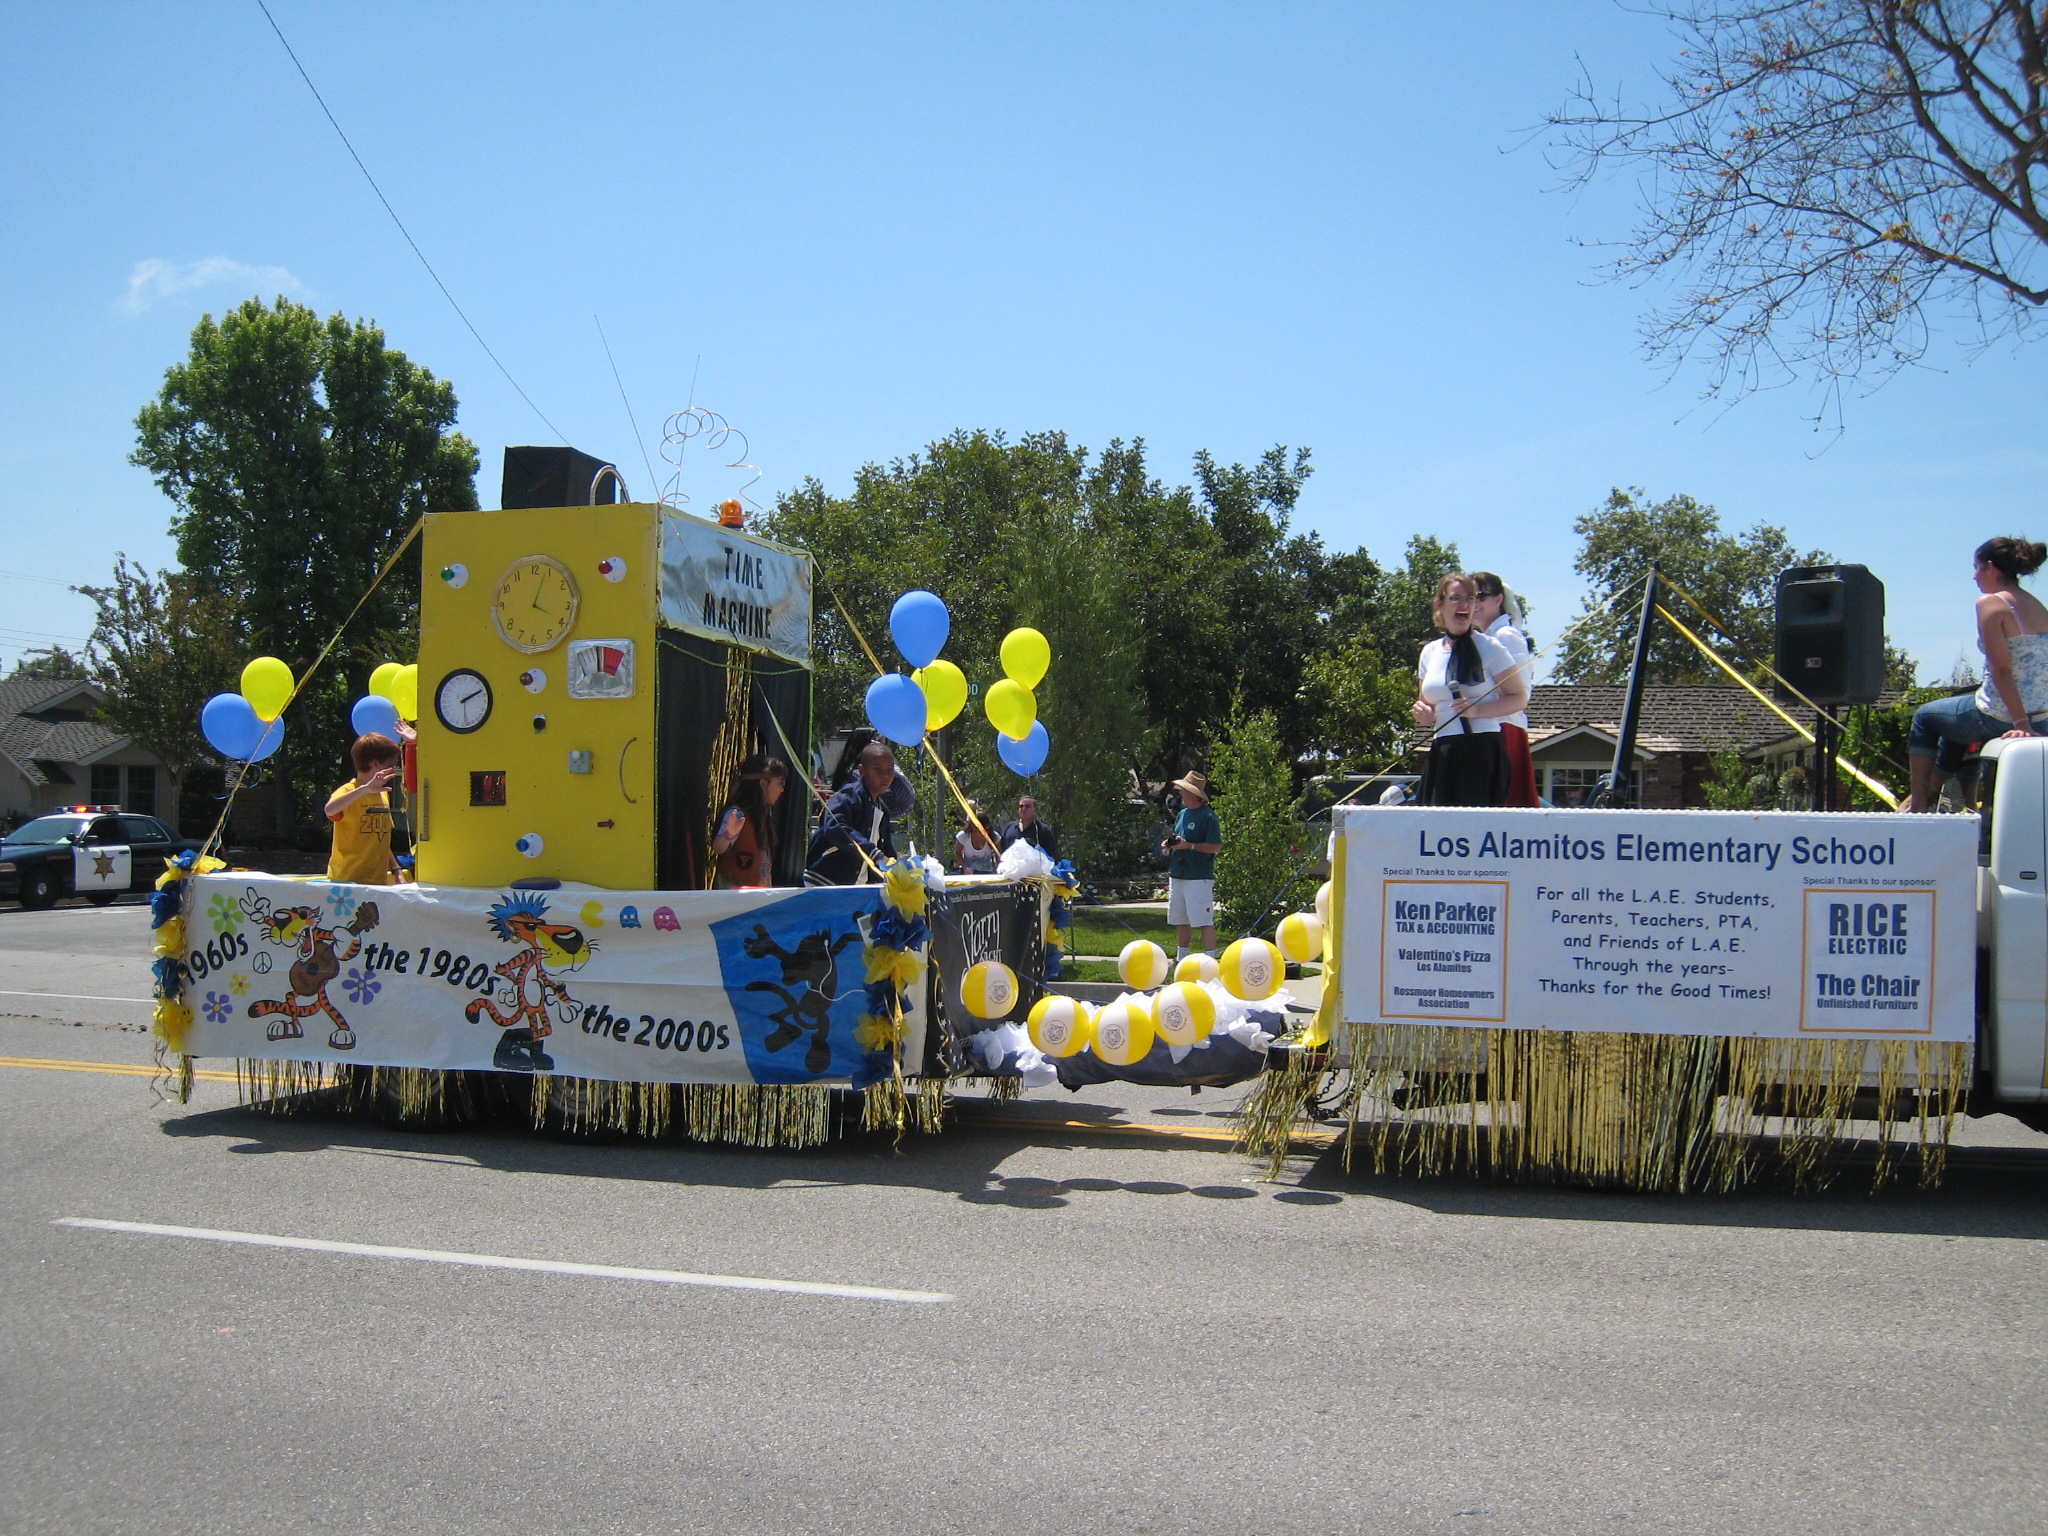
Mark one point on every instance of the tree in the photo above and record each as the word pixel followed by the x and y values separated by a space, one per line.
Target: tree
pixel 48 661
pixel 160 648
pixel 1265 841
pixel 298 452
pixel 1734 576
pixel 1829 173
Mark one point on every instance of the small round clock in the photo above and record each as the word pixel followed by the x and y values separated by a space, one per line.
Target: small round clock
pixel 463 701
pixel 535 604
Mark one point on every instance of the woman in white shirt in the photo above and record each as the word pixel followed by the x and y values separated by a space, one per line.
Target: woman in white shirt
pixel 1497 612
pixel 1467 684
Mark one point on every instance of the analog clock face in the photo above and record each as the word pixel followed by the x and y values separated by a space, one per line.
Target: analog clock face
pixel 535 604
pixel 463 701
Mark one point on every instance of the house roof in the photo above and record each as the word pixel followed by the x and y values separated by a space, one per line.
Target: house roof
pixel 1679 717
pixel 43 729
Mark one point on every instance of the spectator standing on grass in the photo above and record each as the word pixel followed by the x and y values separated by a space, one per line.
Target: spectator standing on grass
pixel 973 852
pixel 1027 828
pixel 1196 839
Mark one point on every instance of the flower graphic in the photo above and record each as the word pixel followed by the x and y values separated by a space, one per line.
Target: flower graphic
pixel 238 983
pixel 217 1007
pixel 341 899
pixel 224 914
pixel 361 986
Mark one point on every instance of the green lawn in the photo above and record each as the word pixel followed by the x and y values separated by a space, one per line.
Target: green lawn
pixel 1103 933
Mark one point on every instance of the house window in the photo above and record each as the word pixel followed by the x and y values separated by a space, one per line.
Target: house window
pixel 1570 786
pixel 106 783
pixel 142 789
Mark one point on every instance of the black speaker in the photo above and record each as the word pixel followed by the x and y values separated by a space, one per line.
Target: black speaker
pixel 557 477
pixel 1830 633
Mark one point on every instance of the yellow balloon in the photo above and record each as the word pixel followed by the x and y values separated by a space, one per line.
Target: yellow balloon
pixel 1252 969
pixel 1123 1033
pixel 1060 1026
pixel 1142 965
pixel 989 989
pixel 1026 656
pixel 1011 708
pixel 405 693
pixel 267 685
pixel 380 680
pixel 1197 968
pixel 1184 1014
pixel 945 692
pixel 1301 937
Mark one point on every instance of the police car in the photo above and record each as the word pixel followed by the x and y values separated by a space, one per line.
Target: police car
pixel 94 851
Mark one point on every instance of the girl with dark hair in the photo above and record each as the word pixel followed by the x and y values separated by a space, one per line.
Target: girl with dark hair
pixel 1496 611
pixel 1467 684
pixel 2012 632
pixel 744 845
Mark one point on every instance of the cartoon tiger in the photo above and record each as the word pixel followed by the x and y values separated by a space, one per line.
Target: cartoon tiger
pixel 316 966
pixel 519 920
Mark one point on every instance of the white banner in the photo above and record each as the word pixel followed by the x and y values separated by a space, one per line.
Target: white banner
pixel 660 986
pixel 1769 924
pixel 722 584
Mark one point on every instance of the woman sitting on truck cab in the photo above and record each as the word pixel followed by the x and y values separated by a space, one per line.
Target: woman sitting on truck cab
pixel 2012 632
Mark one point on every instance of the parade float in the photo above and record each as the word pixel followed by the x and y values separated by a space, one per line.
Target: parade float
pixel 589 678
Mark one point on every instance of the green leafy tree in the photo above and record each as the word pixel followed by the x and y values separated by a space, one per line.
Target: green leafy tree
pixel 49 661
pixel 297 453
pixel 1265 841
pixel 1733 575
pixel 161 647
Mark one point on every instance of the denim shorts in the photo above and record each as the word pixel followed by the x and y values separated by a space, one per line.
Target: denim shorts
pixel 1946 729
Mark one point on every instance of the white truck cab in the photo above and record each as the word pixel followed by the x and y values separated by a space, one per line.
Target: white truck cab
pixel 2012 923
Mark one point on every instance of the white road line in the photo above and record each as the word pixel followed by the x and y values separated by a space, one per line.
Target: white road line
pixel 77 997
pixel 495 1261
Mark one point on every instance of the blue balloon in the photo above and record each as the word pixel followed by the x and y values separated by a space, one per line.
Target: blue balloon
pixel 230 725
pixel 1027 756
pixel 375 715
pixel 919 622
pixel 271 739
pixel 896 708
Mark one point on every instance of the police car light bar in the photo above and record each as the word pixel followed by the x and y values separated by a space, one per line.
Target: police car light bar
pixel 89 810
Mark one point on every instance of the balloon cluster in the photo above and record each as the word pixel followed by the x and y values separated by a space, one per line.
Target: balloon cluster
pixel 394 696
pixel 248 726
pixel 904 708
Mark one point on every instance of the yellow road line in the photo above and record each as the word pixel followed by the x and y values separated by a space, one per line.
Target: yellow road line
pixel 116 1068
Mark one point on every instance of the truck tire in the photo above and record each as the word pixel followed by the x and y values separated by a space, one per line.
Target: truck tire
pixel 40 888
pixel 102 898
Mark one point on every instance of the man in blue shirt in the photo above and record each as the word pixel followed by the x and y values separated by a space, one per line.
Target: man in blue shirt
pixel 1191 868
pixel 861 819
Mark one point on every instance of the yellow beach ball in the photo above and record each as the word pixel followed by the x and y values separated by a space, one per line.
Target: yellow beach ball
pixel 989 989
pixel 1252 970
pixel 1200 967
pixel 1301 937
pixel 1142 965
pixel 1060 1026
pixel 1123 1033
pixel 1184 1014
pixel 1323 902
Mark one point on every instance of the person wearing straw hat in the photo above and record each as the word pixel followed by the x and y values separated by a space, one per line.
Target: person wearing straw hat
pixel 1192 846
pixel 1467 683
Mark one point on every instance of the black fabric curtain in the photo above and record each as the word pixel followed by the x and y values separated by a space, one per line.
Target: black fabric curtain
pixel 689 710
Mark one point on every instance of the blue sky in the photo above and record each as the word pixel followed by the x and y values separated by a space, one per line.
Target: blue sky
pixel 1212 227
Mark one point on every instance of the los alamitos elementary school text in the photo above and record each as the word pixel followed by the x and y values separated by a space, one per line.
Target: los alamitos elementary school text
pixel 1672 922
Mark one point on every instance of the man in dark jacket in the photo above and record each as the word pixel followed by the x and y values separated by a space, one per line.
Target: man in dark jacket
pixel 1027 828
pixel 861 819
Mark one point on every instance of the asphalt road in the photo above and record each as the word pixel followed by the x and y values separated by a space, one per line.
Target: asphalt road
pixel 1140 1336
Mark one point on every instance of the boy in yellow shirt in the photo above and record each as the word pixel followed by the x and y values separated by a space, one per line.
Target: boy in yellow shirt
pixel 361 813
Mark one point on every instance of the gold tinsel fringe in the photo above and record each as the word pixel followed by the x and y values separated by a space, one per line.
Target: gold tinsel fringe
pixel 786 1115
pixel 932 1099
pixel 588 1106
pixel 1653 1112
pixel 1004 1089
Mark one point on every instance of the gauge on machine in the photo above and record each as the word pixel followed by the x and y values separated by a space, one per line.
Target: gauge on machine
pixel 463 701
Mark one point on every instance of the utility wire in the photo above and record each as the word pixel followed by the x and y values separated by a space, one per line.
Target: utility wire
pixel 395 219
pixel 637 438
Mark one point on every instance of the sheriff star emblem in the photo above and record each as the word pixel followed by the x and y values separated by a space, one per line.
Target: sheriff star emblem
pixel 103 864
